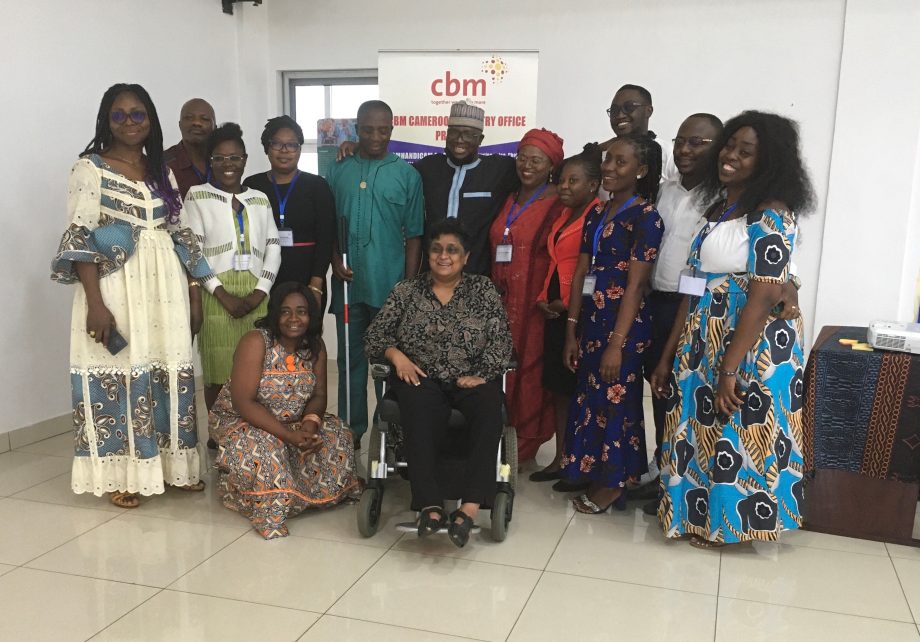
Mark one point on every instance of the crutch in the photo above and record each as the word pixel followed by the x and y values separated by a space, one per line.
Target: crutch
pixel 343 248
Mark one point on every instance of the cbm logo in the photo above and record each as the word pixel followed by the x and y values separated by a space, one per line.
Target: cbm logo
pixel 448 86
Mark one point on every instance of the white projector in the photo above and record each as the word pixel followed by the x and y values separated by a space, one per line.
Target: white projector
pixel 887 335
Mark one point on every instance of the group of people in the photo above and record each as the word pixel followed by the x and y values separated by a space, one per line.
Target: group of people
pixel 622 264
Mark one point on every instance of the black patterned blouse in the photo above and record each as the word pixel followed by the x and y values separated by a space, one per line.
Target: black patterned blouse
pixel 467 337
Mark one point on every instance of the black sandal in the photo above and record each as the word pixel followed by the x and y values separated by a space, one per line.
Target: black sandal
pixel 428 524
pixel 459 532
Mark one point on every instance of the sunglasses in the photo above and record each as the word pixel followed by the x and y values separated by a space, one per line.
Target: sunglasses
pixel 627 108
pixel 119 116
pixel 451 249
pixel 694 141
pixel 235 158
pixel 284 147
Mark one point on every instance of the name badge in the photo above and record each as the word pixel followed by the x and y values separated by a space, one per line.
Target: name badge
pixel 286 237
pixel 241 262
pixel 691 283
pixel 503 253
pixel 588 288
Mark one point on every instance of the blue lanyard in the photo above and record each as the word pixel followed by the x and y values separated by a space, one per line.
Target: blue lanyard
pixel 706 231
pixel 601 225
pixel 239 219
pixel 515 214
pixel 204 178
pixel 282 202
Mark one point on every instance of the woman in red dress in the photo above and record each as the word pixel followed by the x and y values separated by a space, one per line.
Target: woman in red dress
pixel 520 262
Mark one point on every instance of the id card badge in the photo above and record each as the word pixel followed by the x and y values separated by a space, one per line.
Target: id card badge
pixel 692 283
pixel 503 253
pixel 241 262
pixel 588 288
pixel 286 237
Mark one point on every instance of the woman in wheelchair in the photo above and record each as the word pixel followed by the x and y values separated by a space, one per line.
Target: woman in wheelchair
pixel 447 337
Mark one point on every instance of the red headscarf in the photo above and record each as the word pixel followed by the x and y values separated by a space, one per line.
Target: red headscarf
pixel 547 142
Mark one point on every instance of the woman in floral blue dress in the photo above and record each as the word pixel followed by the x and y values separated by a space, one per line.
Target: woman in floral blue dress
pixel 732 449
pixel 605 436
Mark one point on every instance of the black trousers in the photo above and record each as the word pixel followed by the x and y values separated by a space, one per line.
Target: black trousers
pixel 663 309
pixel 424 411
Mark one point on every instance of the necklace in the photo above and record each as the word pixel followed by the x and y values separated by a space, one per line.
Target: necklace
pixel 136 163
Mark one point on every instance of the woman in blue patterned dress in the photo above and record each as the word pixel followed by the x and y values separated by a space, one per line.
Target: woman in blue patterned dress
pixel 605 436
pixel 732 449
pixel 137 267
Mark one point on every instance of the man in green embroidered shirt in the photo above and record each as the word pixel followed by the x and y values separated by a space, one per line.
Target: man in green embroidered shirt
pixel 380 197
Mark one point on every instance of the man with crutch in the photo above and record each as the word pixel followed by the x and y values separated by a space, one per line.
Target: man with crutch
pixel 379 204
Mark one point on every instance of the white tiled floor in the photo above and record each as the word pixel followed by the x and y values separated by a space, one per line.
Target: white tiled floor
pixel 182 567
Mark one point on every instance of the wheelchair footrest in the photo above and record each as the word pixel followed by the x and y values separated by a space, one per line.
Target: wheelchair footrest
pixel 412 527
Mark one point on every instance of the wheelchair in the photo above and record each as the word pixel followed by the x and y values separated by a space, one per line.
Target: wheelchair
pixel 385 458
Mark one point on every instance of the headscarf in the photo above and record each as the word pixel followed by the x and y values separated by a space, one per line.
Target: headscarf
pixel 547 142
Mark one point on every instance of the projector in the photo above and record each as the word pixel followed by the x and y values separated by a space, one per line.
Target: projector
pixel 887 335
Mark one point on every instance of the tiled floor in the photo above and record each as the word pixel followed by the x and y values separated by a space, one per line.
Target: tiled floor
pixel 182 567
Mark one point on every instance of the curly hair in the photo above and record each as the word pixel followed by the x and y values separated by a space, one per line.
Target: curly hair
pixel 278 123
pixel 312 338
pixel 224 133
pixel 648 151
pixel 157 174
pixel 779 174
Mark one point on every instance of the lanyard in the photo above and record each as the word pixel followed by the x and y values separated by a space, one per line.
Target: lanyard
pixel 282 202
pixel 204 178
pixel 515 214
pixel 601 225
pixel 242 224
pixel 707 230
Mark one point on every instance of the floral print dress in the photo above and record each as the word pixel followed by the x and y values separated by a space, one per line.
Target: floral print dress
pixel 605 433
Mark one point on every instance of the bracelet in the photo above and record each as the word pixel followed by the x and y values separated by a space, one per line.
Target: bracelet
pixel 193 283
pixel 614 333
pixel 728 373
pixel 315 289
pixel 571 320
pixel 312 417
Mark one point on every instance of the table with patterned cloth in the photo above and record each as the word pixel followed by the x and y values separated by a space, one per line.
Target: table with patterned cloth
pixel 861 438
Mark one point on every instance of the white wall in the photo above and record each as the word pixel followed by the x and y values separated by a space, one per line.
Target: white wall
pixel 58 59
pixel 694 55
pixel 872 235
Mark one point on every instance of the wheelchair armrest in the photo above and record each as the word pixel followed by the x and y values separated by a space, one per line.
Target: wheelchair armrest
pixel 380 370
pixel 513 363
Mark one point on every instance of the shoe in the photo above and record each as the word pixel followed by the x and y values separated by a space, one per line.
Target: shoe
pixel 459 532
pixel 564 486
pixel 212 444
pixel 544 476
pixel 645 491
pixel 651 508
pixel 428 524
pixel 584 505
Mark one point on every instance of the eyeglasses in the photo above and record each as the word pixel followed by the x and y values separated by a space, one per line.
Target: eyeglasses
pixel 235 158
pixel 532 161
pixel 451 249
pixel 119 116
pixel 463 135
pixel 627 108
pixel 284 147
pixel 694 141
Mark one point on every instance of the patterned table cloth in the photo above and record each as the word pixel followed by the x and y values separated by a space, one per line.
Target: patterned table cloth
pixel 862 409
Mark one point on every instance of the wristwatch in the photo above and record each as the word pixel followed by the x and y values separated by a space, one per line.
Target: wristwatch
pixel 796 282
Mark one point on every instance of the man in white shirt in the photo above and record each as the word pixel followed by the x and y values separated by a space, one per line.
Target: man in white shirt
pixel 680 210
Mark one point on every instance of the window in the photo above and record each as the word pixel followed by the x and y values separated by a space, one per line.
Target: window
pixel 313 96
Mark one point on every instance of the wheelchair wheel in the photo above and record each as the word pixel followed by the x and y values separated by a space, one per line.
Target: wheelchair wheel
pixel 510 453
pixel 369 511
pixel 501 516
